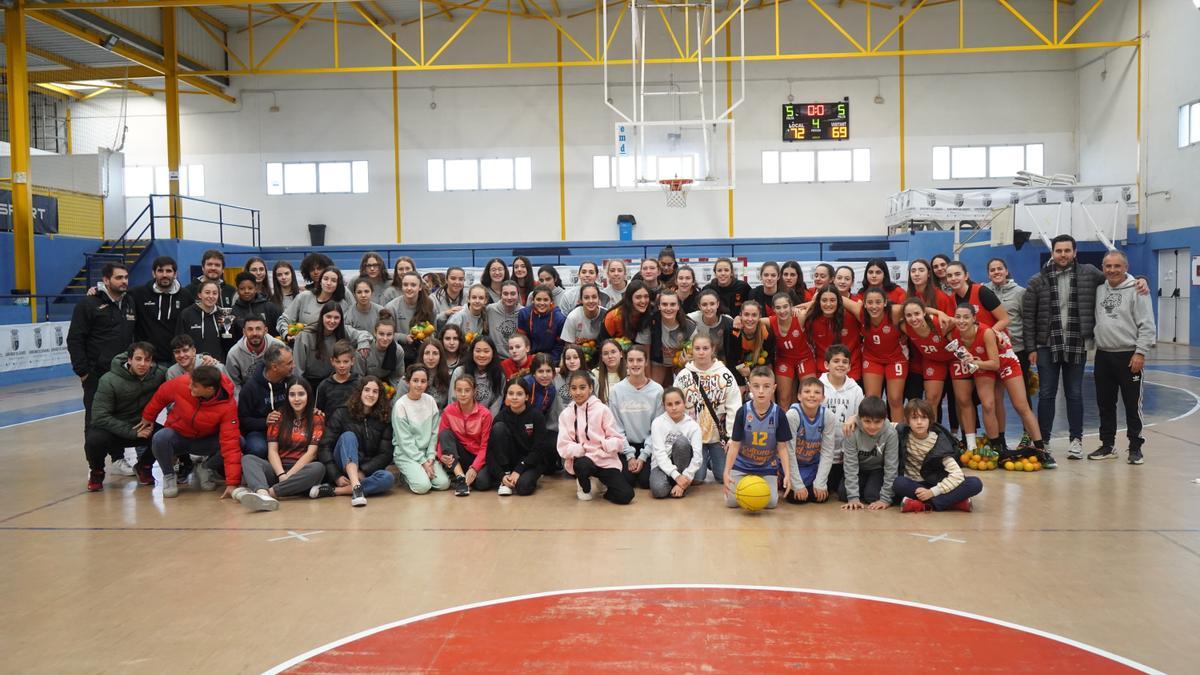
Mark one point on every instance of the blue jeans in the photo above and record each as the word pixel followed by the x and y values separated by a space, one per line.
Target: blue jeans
pixel 1072 377
pixel 346 452
pixel 167 444
pixel 907 487
pixel 714 458
pixel 255 443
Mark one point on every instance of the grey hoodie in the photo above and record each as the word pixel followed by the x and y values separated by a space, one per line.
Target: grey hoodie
pixel 862 452
pixel 306 310
pixel 241 360
pixel 1011 295
pixel 1124 319
pixel 501 325
pixel 635 410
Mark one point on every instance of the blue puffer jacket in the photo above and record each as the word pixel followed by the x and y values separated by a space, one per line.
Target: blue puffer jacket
pixel 544 330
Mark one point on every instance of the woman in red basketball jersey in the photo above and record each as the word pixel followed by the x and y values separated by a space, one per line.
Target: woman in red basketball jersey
pixel 877 274
pixel 988 310
pixel 822 277
pixel 793 356
pixel 992 362
pixel 927 338
pixel 882 358
pixel 828 322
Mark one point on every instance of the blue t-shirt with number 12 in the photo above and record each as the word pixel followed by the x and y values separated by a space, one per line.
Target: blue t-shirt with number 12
pixel 759 436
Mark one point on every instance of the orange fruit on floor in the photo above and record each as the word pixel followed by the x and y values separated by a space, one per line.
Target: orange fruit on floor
pixel 973 464
pixel 1008 466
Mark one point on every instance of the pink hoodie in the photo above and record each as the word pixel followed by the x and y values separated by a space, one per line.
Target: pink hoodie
pixel 589 430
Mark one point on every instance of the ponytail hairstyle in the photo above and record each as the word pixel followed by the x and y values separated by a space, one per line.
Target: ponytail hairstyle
pixel 887 305
pixel 919 303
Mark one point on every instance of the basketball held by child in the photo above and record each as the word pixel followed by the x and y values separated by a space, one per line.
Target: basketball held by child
pixel 753 493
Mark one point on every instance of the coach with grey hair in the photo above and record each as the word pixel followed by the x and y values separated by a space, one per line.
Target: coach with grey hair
pixel 263 396
pixel 1124 335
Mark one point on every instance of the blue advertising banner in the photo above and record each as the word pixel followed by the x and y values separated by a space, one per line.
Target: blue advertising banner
pixel 45 213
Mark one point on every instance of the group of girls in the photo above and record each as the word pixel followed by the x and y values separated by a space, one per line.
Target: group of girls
pixel 897 336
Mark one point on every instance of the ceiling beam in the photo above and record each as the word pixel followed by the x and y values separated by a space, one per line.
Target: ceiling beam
pixel 113 73
pixel 93 37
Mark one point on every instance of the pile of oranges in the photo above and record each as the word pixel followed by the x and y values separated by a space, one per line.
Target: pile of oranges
pixel 978 462
pixel 1023 464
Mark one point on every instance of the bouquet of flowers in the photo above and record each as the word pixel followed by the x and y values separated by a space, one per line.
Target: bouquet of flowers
pixel 588 348
pixel 624 343
pixel 682 355
pixel 294 329
pixel 470 337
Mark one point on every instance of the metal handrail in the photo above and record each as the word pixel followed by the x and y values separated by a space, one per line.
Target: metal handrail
pixel 255 225
pixel 50 298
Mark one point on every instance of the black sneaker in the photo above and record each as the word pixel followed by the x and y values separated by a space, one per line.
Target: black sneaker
pixel 1048 461
pixel 1135 456
pixel 461 489
pixel 1103 452
pixel 319 491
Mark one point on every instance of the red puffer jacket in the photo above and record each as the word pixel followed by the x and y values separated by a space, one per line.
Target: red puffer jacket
pixel 193 418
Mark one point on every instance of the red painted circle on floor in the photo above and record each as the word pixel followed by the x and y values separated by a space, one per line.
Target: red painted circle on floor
pixel 696 629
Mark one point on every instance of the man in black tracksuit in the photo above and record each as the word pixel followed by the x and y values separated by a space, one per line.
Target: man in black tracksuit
pixel 157 306
pixel 263 396
pixel 101 328
pixel 213 266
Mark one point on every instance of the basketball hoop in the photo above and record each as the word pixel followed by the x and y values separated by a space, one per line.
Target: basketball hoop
pixel 676 190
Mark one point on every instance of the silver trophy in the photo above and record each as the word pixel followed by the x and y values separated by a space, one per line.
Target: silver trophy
pixel 963 355
pixel 225 316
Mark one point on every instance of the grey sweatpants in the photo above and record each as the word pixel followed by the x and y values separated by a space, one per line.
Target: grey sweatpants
pixel 660 481
pixel 258 474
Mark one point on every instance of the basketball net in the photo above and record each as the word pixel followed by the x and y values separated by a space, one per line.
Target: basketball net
pixel 676 190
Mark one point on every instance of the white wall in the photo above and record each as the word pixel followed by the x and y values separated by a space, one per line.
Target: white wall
pixel 1109 147
pixel 978 98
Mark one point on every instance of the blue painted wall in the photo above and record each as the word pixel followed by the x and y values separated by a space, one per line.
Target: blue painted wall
pixel 58 258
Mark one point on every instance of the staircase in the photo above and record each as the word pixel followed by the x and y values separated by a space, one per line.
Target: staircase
pixel 127 251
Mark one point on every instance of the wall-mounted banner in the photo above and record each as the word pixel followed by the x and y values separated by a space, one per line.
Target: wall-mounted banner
pixel 45 213
pixel 33 345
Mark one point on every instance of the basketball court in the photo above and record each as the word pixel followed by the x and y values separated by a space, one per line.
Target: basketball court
pixel 1090 568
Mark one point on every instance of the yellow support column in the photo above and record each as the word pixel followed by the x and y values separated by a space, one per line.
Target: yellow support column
pixel 396 142
pixel 562 165
pixel 25 276
pixel 171 84
pixel 903 168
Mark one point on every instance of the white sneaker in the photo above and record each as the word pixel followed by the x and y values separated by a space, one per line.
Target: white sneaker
pixel 504 491
pixel 169 487
pixel 257 501
pixel 1076 449
pixel 586 496
pixel 121 468
pixel 238 492
pixel 206 477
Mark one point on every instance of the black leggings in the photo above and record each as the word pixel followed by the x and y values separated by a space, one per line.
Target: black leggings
pixel 450 444
pixel 619 490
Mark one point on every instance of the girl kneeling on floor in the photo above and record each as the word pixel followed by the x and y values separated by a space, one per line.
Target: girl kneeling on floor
pixel 929 478
pixel 415 421
pixel 463 437
pixel 520 447
pixel 357 446
pixel 676 448
pixel 588 442
pixel 290 468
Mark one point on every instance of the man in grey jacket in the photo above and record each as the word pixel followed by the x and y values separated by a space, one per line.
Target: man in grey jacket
pixel 1124 334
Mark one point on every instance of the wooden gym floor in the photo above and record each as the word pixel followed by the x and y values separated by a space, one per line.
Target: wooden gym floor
pixel 1100 553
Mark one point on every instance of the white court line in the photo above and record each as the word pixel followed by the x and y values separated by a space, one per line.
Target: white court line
pixel 40 419
pixel 292 534
pixel 856 596
pixel 945 536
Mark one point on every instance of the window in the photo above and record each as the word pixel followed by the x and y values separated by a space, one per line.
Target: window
pixel 1189 124
pixel 991 161
pixel 816 166
pixel 143 181
pixel 491 173
pixel 306 178
pixel 605 172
